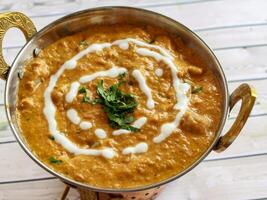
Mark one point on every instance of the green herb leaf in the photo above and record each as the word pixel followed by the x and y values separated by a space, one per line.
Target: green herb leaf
pixel 197 89
pixel 53 160
pixel 130 128
pixel 86 99
pixel 96 101
pixel 117 104
pixel 82 90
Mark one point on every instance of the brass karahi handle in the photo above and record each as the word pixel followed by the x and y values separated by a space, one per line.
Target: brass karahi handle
pixel 247 94
pixel 9 20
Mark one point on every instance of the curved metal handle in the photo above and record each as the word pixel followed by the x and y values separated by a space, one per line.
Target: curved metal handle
pixel 7 21
pixel 247 94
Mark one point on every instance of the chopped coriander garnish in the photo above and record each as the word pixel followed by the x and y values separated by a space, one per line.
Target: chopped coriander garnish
pixel 53 160
pixel 82 90
pixel 86 99
pixel 197 89
pixel 118 105
pixel 51 137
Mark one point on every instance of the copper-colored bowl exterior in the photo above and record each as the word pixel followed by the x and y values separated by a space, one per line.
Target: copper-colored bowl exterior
pixel 112 15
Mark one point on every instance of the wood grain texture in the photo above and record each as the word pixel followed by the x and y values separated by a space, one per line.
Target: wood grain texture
pixel 242 62
pixel 259 109
pixel 201 19
pixel 234 37
pixel 251 141
pixel 35 8
pixel 39 190
pixel 243 178
pixel 236 30
pixel 17 162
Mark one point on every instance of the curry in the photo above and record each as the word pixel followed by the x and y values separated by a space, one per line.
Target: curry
pixel 118 106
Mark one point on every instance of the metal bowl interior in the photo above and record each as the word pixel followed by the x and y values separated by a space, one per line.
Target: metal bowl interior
pixel 79 21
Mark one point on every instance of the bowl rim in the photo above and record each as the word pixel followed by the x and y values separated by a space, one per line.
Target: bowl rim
pixel 75 183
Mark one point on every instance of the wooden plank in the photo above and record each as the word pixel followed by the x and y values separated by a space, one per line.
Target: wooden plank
pixel 217 13
pixel 239 178
pixel 236 36
pixel 221 13
pixel 243 63
pixel 251 141
pixel 2 91
pixel 260 107
pixel 41 190
pixel 243 178
pixel 34 8
pixel 216 39
pixel 238 64
pixel 19 165
pixel 5 132
pixel 261 101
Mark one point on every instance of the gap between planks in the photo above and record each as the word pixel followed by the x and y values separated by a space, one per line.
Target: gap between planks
pixel 52 177
pixel 141 5
pixel 206 30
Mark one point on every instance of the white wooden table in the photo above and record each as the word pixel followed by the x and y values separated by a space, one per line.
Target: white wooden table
pixel 237 32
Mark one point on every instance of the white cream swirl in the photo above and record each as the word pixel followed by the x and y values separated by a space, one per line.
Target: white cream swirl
pixel 166 129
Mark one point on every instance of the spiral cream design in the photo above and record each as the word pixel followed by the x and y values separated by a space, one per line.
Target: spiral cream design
pixel 156 52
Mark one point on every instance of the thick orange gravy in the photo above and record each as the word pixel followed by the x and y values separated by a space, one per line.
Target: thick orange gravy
pixel 76 139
